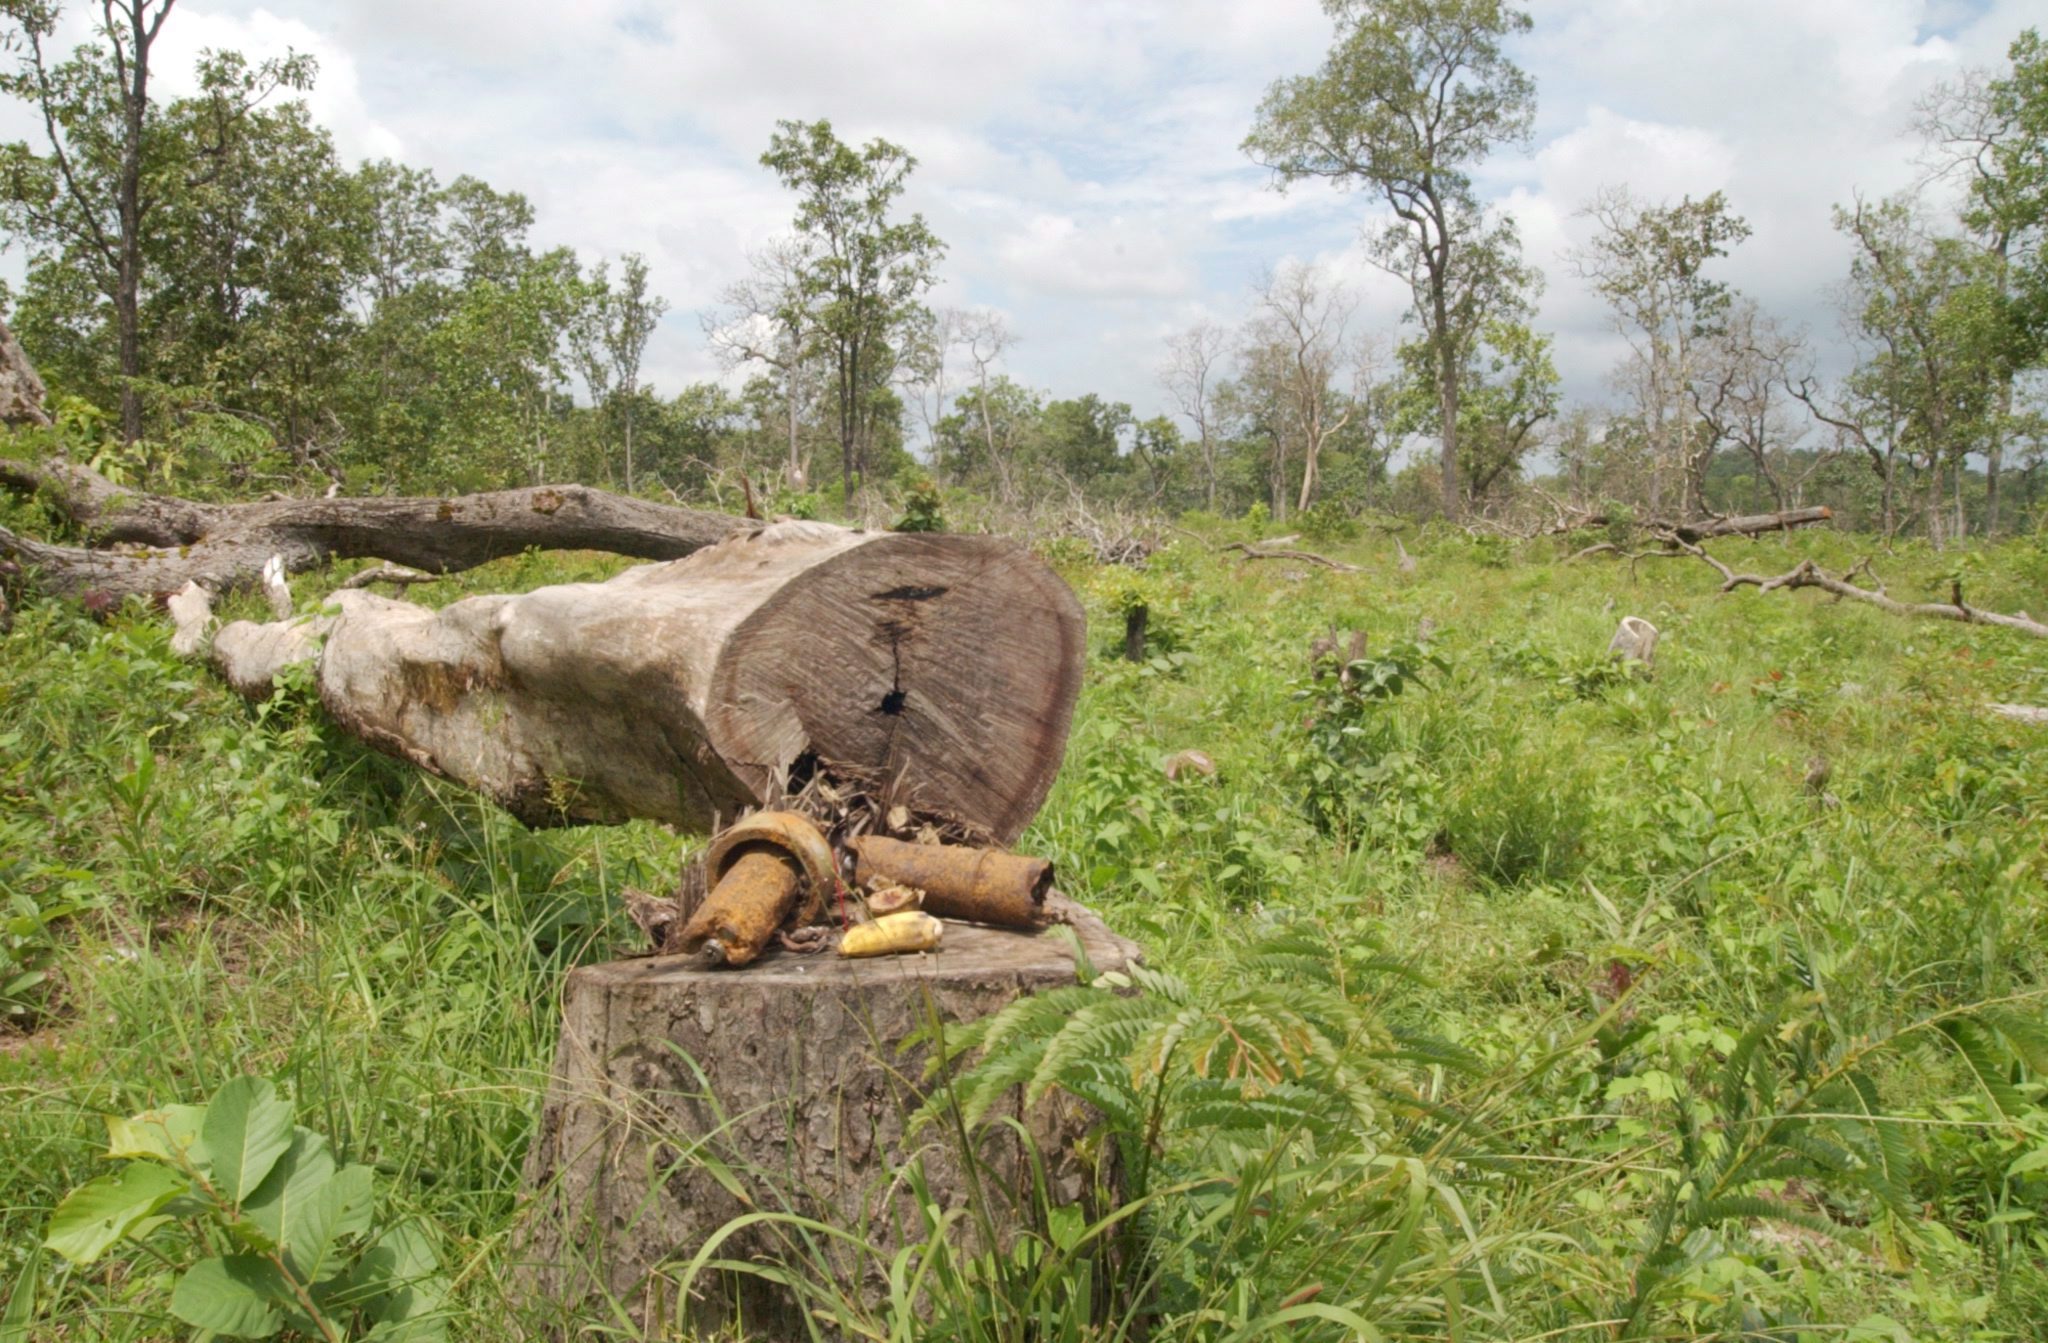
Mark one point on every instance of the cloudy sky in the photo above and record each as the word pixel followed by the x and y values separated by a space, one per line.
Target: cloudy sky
pixel 1080 156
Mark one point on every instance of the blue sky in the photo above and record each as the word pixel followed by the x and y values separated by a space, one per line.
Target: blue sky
pixel 1080 156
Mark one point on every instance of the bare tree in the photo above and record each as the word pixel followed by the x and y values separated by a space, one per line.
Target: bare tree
pixel 926 367
pixel 763 319
pixel 1189 377
pixel 1300 335
pixel 987 336
pixel 1743 394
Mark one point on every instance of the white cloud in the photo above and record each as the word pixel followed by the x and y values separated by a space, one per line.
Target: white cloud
pixel 1081 158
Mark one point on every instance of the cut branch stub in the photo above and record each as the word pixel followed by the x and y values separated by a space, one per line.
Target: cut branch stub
pixel 942 666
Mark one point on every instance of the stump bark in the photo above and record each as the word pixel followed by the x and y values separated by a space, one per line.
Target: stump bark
pixel 684 1098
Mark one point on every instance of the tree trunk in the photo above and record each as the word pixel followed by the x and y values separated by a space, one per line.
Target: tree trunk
pixel 21 389
pixel 685 1098
pixel 939 669
pixel 1447 408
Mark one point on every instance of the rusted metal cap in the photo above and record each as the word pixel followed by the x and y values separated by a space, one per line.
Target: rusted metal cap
pixel 792 832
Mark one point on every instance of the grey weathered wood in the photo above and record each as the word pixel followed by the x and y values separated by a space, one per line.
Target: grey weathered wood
pixel 788 1073
pixel 145 544
pixel 1635 640
pixel 944 668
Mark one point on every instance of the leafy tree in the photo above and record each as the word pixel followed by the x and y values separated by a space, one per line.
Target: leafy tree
pixel 1992 130
pixel 254 263
pixel 865 274
pixel 2009 196
pixel 1082 437
pixel 610 340
pixel 84 203
pixel 1649 263
pixel 1931 315
pixel 994 426
pixel 1511 392
pixel 1413 95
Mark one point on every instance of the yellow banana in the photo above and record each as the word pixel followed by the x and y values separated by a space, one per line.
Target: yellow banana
pixel 893 935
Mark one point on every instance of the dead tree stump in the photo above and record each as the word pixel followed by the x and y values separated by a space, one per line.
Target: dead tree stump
pixel 684 1098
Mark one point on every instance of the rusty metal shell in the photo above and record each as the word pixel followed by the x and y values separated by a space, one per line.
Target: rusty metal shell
pixel 793 833
pixel 959 882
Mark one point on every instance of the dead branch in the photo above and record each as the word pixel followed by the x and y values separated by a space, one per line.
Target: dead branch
pixel 1305 556
pixel 1807 574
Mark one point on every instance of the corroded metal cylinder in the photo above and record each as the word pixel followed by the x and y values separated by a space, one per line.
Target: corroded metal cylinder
pixel 746 907
pixel 978 885
pixel 759 869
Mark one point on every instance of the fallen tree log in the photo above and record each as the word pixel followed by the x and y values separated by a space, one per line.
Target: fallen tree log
pixel 1807 574
pixel 1697 529
pixel 941 669
pixel 140 544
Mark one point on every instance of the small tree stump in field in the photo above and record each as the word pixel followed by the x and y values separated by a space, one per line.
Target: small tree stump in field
pixel 684 1098
pixel 1634 641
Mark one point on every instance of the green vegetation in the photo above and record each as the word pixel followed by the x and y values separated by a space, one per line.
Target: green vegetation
pixel 1496 989
pixel 1493 995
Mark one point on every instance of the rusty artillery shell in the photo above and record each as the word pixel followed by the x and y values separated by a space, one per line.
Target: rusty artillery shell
pixel 751 900
pixel 978 885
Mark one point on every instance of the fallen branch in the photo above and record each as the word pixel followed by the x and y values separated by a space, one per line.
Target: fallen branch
pixel 1305 556
pixel 1698 529
pixel 1807 574
pixel 395 574
pixel 140 544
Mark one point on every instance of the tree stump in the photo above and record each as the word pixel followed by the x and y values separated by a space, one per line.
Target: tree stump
pixel 684 1098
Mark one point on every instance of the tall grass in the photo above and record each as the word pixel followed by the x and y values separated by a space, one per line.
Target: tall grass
pixel 1606 1072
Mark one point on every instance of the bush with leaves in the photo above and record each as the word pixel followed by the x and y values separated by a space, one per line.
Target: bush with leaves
pixel 252 1227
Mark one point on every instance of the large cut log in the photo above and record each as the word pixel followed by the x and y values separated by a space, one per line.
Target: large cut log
pixel 684 1098
pixel 149 544
pixel 942 668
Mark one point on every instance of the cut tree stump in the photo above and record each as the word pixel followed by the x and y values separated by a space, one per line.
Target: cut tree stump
pixel 685 1097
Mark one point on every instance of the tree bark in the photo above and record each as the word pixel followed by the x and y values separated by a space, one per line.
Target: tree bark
pixel 685 1098
pixel 940 669
pixel 150 544
pixel 21 389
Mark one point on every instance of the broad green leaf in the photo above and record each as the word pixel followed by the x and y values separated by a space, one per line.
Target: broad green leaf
pixel 247 1128
pixel 306 1206
pixel 237 1296
pixel 96 1215
pixel 159 1135
pixel 400 1275
pixel 293 1185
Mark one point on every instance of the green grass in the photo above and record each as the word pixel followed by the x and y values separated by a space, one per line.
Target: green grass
pixel 1594 889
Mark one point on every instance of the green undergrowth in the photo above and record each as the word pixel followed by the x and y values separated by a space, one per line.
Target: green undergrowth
pixel 1492 991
